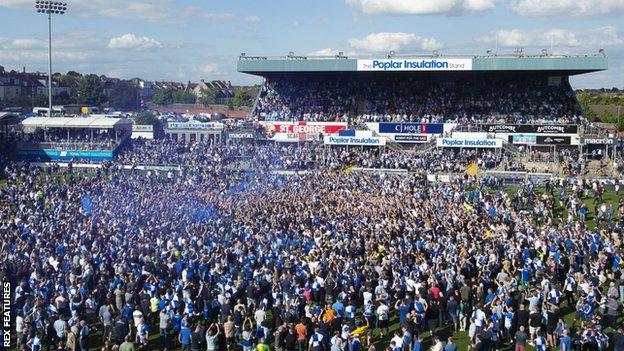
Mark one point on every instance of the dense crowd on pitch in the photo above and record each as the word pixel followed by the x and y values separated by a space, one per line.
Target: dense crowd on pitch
pixel 301 156
pixel 409 99
pixel 208 259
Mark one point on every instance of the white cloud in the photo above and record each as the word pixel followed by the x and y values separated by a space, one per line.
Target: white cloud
pixel 552 8
pixel 208 68
pixel 385 41
pixel 131 41
pixel 155 11
pixel 323 52
pixel 219 16
pixel 252 19
pixel 603 36
pixel 420 7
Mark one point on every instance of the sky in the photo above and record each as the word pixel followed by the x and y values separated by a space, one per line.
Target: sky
pixel 186 40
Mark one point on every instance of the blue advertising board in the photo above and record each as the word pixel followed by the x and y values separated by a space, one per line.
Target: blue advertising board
pixel 59 155
pixel 411 128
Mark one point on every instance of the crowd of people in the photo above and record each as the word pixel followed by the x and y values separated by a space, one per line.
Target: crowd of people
pixel 211 258
pixel 305 156
pixel 462 99
pixel 73 139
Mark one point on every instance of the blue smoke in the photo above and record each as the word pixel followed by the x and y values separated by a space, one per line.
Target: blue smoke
pixel 86 203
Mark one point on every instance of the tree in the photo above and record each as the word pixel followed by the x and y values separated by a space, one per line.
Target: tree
pixel 230 104
pixel 63 98
pixel 163 97
pixel 242 98
pixel 42 101
pixel 22 101
pixel 145 118
pixel 183 97
pixel 585 100
pixel 67 80
pixel 123 96
pixel 90 90
pixel 74 74
pixel 207 96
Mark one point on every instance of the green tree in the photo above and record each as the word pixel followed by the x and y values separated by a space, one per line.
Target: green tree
pixel 242 98
pixel 183 97
pixel 23 101
pixel 207 96
pixel 146 118
pixel 63 98
pixel 163 97
pixel 124 96
pixel 90 90
pixel 66 80
pixel 585 102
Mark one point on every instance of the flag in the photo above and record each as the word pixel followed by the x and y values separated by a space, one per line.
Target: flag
pixel 349 168
pixel 87 206
pixel 472 169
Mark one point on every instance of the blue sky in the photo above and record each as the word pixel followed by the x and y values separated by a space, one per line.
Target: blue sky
pixel 192 39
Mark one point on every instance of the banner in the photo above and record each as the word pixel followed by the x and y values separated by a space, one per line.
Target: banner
pixel 410 138
pixel 195 125
pixel 548 140
pixel 355 141
pixel 411 128
pixel 58 155
pixel 523 139
pixel 142 128
pixel 419 64
pixel 244 135
pixel 474 143
pixel 597 141
pixel 300 131
pixel 531 128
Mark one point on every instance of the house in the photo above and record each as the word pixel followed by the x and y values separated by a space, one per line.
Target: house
pixel 14 84
pixel 224 90
pixel 177 86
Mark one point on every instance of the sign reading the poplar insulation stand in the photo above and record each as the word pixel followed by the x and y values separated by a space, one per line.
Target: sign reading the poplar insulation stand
pixel 419 64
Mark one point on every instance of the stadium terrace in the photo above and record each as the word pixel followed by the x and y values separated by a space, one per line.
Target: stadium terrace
pixel 503 89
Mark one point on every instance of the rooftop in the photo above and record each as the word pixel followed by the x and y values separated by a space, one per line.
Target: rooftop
pixel 93 122
pixel 566 64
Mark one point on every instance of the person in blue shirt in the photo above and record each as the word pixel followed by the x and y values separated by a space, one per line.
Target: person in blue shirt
pixel 185 337
pixel 418 346
pixel 565 343
pixel 450 346
pixel 339 308
pixel 354 343
pixel 403 308
pixel 176 321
